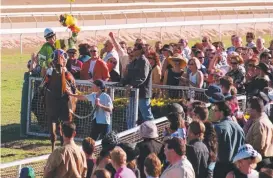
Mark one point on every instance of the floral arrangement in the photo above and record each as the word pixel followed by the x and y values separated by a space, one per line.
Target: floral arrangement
pixel 69 21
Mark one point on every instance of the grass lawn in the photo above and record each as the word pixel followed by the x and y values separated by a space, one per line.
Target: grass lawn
pixel 13 66
pixel 12 70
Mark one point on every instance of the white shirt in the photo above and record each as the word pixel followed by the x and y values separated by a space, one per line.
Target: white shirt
pixel 102 117
pixel 92 66
pixel 113 54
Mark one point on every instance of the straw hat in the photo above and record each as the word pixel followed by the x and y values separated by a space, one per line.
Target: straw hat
pixel 179 57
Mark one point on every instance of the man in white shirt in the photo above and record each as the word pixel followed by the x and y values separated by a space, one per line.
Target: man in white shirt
pixel 111 53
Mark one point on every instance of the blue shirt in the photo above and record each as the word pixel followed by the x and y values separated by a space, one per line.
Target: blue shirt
pixel 102 117
pixel 230 137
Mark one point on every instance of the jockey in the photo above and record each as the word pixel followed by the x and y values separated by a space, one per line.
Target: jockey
pixel 44 55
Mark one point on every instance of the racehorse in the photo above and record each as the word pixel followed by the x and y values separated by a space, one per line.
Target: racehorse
pixel 57 102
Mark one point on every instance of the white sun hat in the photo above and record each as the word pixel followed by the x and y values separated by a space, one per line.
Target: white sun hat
pixel 247 151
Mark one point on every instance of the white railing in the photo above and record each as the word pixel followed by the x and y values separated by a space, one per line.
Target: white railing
pixel 140 26
pixel 57 6
pixel 137 11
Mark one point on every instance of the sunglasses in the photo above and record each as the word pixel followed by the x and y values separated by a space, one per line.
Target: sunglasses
pixel 71 53
pixel 201 57
pixel 204 41
pixel 209 50
pixel 113 62
pixel 176 61
pixel 190 64
pixel 234 63
pixel 93 51
pixel 150 57
pixel 248 36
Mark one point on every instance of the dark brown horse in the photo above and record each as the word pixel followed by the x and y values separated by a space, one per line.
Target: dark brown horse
pixel 57 102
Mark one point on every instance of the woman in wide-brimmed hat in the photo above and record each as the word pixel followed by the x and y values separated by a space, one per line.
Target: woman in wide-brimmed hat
pixel 173 75
pixel 245 161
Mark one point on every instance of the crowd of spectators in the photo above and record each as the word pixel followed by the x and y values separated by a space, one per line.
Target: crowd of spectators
pixel 219 141
pixel 205 148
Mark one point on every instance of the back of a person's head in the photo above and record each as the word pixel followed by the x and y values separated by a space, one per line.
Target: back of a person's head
pixel 176 108
pixel 202 112
pixel 102 173
pixel 88 145
pixel 257 104
pixel 197 128
pixel 175 120
pixel 177 144
pixel 226 82
pixel 84 49
pixel 110 140
pixel 68 129
pixel 152 165
pixel 210 140
pixel 225 108
pixel 118 156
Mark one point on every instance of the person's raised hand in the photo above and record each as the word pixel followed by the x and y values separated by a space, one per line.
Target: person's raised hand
pixel 111 35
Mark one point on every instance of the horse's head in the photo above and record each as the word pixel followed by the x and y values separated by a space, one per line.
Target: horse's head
pixel 59 58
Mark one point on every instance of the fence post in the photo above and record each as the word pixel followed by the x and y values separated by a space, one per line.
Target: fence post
pixel 112 93
pixel 24 105
pixel 30 89
pixel 21 44
pixel 19 170
pixel 133 108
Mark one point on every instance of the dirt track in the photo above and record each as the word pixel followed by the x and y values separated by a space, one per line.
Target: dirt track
pixel 31 41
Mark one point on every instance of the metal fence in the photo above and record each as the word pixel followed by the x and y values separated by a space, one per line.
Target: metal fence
pixel 12 170
pixel 125 112
pixel 125 109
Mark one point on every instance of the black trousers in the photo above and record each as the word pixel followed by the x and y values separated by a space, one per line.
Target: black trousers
pixel 98 130
pixel 222 169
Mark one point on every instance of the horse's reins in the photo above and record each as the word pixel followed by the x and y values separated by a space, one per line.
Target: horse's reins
pixel 82 117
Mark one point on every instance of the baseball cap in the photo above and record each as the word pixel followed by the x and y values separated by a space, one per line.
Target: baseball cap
pixel 99 83
pixel 213 89
pixel 216 98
